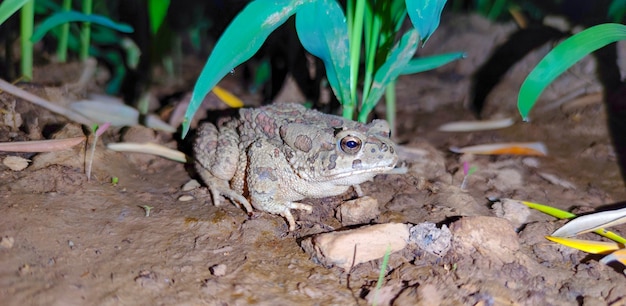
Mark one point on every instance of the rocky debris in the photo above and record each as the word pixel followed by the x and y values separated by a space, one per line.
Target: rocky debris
pixel 431 239
pixel 512 210
pixel 349 248
pixel 358 211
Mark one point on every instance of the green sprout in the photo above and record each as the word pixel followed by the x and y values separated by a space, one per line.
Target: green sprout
pixel 97 131
pixel 381 275
pixel 115 180
pixel 147 209
pixel 467 171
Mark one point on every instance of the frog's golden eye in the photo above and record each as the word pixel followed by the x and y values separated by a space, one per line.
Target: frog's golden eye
pixel 350 144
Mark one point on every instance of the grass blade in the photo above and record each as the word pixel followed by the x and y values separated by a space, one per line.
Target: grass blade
pixel 242 39
pixel 9 7
pixel 74 16
pixel 422 64
pixel 389 71
pixel 593 247
pixel 562 57
pixel 592 222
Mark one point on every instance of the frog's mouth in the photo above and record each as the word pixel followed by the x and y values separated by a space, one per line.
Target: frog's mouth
pixel 362 174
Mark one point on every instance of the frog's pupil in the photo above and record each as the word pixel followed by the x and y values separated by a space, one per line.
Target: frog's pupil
pixel 351 144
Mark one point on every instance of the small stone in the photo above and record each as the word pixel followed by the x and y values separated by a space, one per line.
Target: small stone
pixel 369 242
pixel 358 211
pixel 191 185
pixel 16 163
pixel 218 270
pixel 185 198
pixel 514 211
pixel 6 242
pixel 431 239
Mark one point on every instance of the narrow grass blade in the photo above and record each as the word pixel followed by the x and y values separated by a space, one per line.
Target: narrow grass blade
pixel 241 39
pixel 73 16
pixel 227 97
pixel 9 7
pixel 35 146
pixel 389 71
pixel 472 126
pixel 157 10
pixel 511 148
pixel 561 214
pixel 549 210
pixel 563 56
pixel 592 222
pixel 149 148
pixel 321 27
pixel 593 247
pixel 422 64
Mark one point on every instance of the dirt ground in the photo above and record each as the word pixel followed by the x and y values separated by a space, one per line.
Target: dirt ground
pixel 70 241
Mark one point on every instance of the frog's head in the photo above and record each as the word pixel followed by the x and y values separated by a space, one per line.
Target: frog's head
pixel 346 155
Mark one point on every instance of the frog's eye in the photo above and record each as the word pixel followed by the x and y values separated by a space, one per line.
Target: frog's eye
pixel 350 144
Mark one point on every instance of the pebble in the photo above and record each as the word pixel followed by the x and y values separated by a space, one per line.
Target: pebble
pixel 358 211
pixel 191 185
pixel 370 242
pixel 218 270
pixel 185 198
pixel 16 163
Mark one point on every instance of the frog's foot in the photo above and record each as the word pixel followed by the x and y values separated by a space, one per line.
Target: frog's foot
pixel 286 212
pixel 219 188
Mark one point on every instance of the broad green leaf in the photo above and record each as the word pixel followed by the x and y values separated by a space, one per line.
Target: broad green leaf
pixel 593 247
pixel 422 64
pixel 592 222
pixel 242 39
pixel 425 15
pixel 563 56
pixel 389 71
pixel 321 27
pixel 9 7
pixel 73 16
pixel 157 10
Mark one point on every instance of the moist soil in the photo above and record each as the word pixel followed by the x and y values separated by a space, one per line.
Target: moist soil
pixel 67 240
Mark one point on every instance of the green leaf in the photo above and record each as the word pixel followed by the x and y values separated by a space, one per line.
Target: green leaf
pixel 321 27
pixel 399 57
pixel 617 10
pixel 242 38
pixel 425 15
pixel 9 7
pixel 422 64
pixel 564 56
pixel 73 16
pixel 157 10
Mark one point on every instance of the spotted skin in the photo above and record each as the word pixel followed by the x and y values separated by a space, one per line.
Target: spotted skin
pixel 271 158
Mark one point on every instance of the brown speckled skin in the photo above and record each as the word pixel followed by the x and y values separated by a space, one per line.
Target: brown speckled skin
pixel 271 157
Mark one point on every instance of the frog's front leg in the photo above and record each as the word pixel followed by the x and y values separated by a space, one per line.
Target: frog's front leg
pixel 217 156
pixel 268 182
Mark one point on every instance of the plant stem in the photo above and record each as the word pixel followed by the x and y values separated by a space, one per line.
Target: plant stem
pixel 390 100
pixel 27 19
pixel 355 32
pixel 86 31
pixel 65 30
